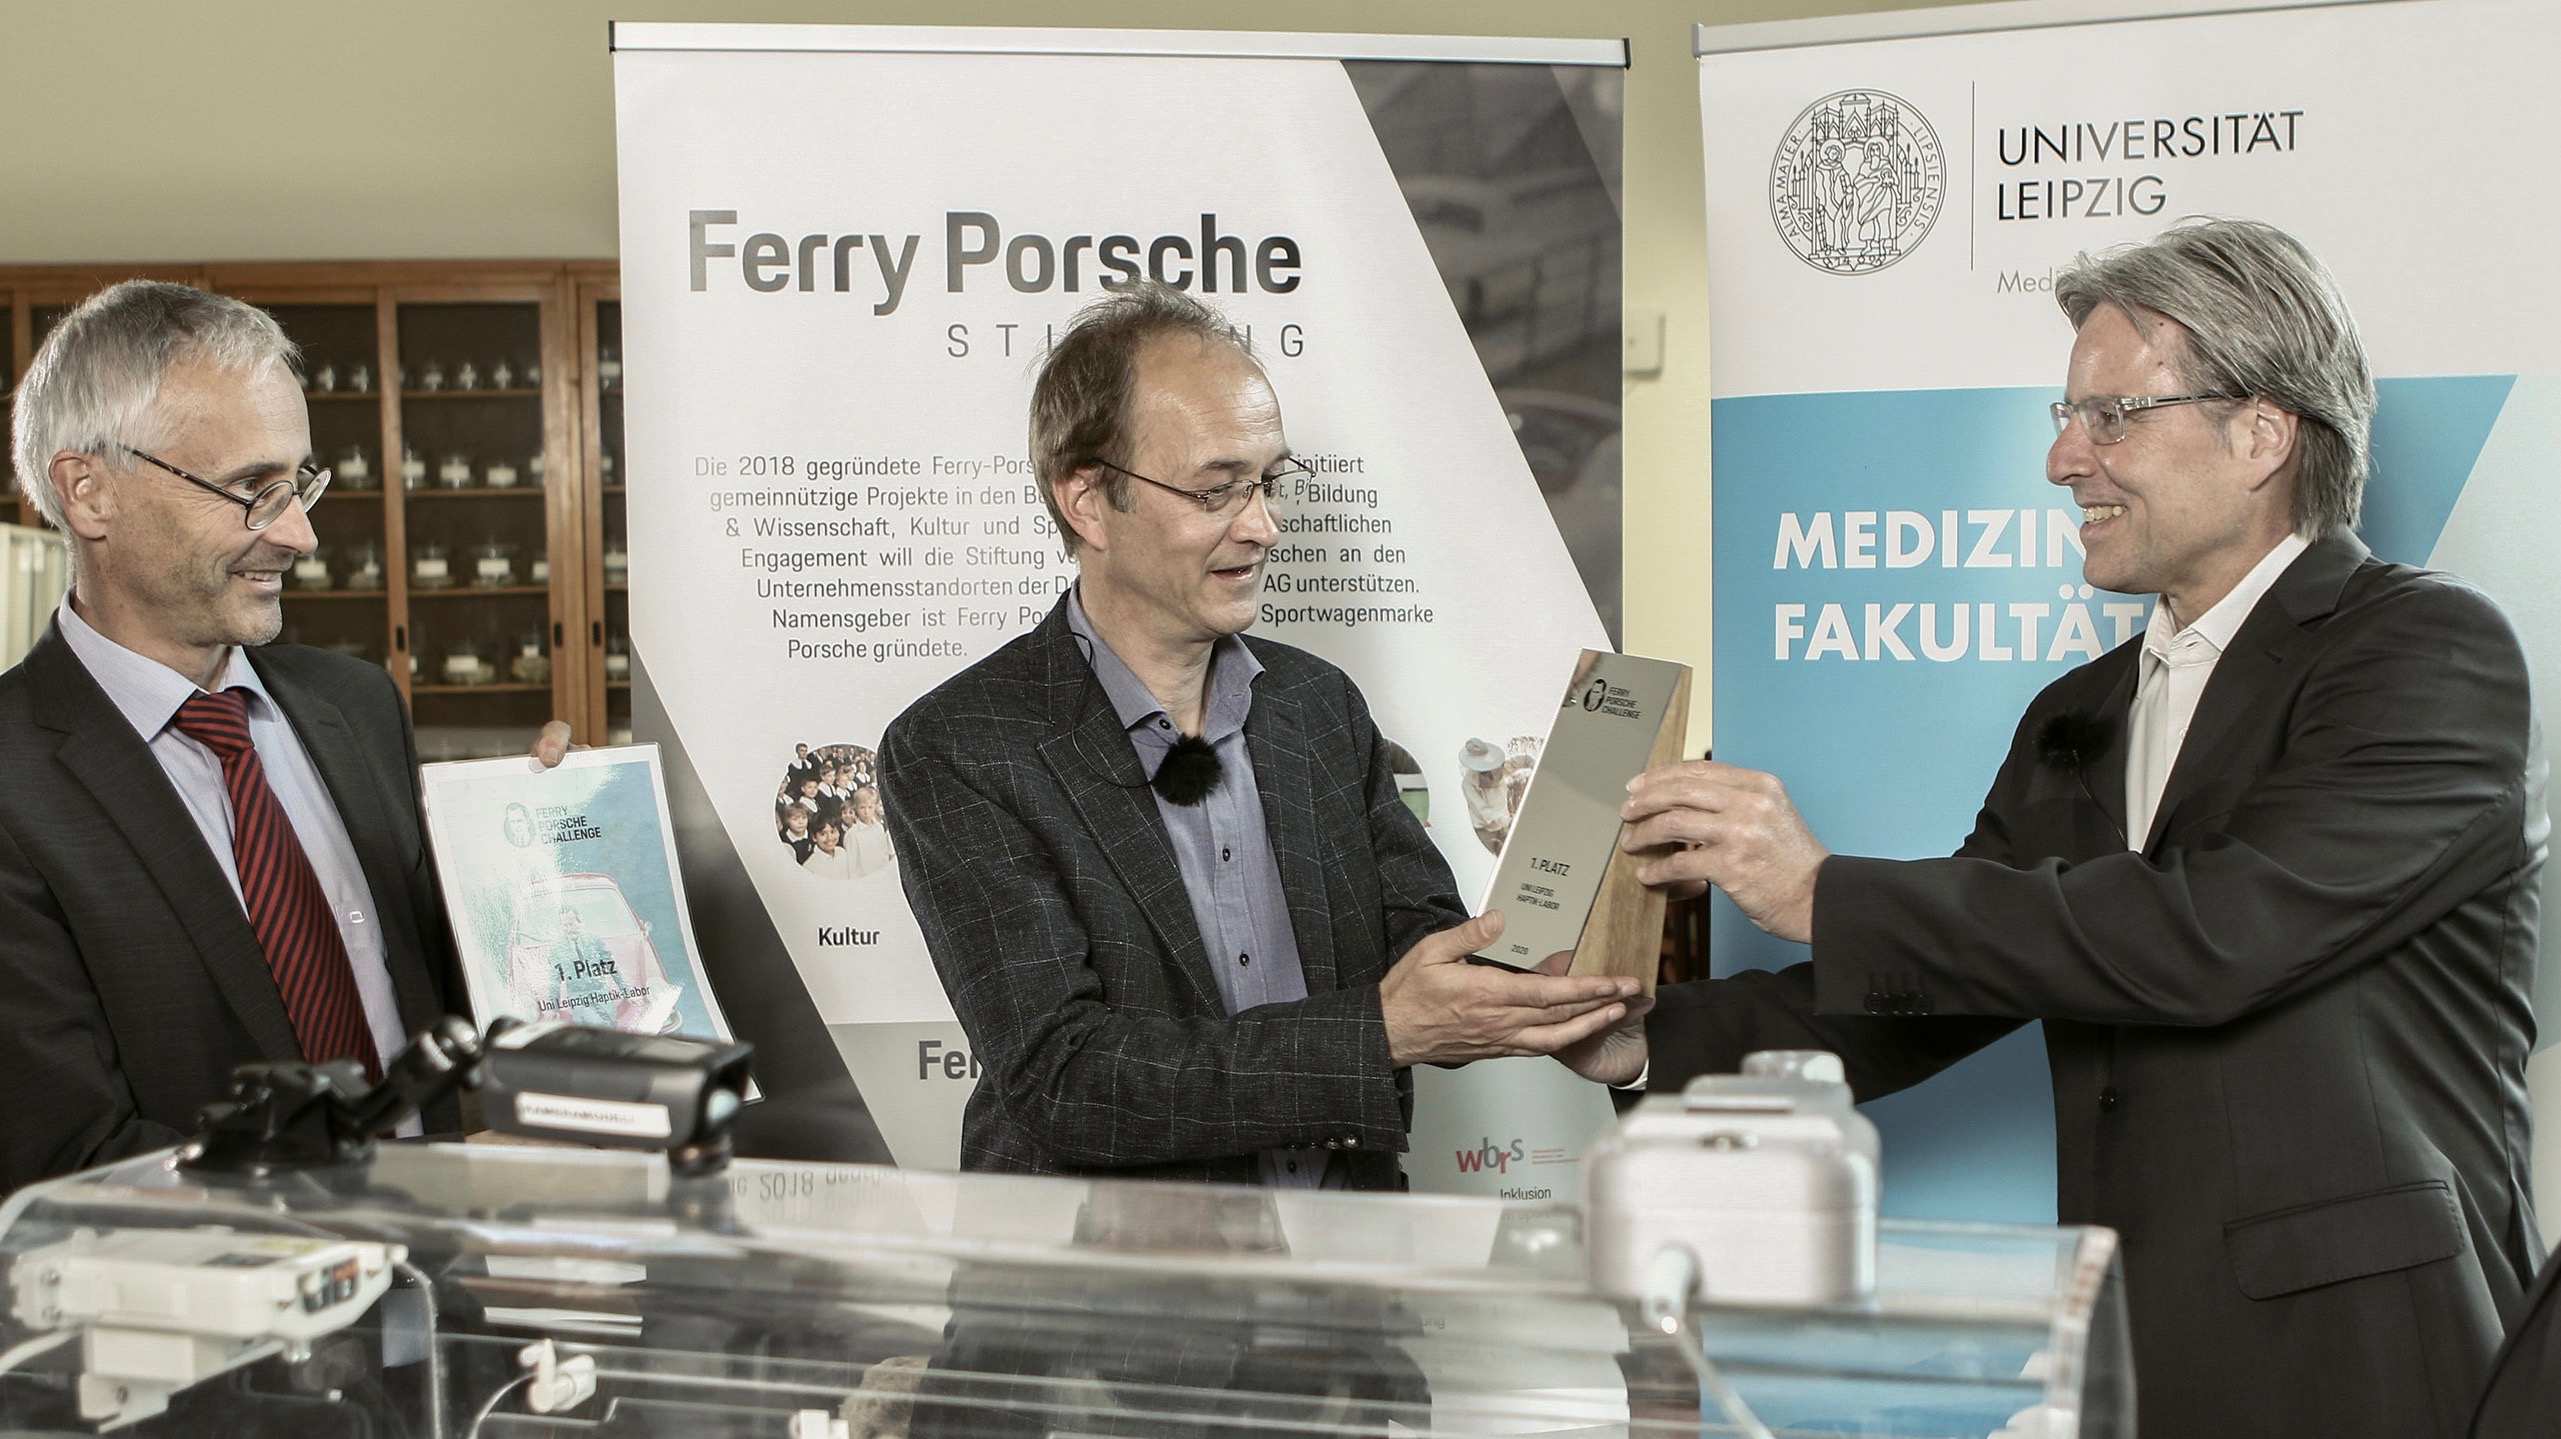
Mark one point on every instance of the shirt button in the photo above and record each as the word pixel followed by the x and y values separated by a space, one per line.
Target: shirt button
pixel 1244 959
pixel 1351 1141
pixel 1222 854
pixel 1293 1166
pixel 2107 1098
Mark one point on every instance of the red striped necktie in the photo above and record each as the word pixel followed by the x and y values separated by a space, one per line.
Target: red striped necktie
pixel 288 910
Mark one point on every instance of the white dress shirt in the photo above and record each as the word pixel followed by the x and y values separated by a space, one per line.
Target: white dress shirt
pixel 2175 665
pixel 148 694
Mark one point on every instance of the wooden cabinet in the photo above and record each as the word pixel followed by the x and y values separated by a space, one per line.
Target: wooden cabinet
pixel 461 541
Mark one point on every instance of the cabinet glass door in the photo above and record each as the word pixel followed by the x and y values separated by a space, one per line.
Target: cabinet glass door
pixel 337 597
pixel 476 530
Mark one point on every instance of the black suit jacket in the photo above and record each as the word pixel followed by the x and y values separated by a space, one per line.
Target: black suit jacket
pixel 130 982
pixel 2523 1400
pixel 1036 862
pixel 2288 1038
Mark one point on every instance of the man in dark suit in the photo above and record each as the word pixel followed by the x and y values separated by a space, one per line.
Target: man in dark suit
pixel 210 853
pixel 1168 883
pixel 2268 876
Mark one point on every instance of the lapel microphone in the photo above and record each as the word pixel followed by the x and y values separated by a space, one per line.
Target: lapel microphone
pixel 2069 741
pixel 1188 773
pixel 2073 739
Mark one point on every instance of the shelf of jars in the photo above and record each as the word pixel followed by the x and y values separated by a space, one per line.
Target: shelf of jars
pixel 477 531
pixel 458 544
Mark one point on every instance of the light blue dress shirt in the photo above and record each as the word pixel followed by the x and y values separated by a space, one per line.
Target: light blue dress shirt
pixel 1222 847
pixel 148 694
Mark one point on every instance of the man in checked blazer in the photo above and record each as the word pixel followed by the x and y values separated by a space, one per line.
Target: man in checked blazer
pixel 2267 874
pixel 161 429
pixel 1189 926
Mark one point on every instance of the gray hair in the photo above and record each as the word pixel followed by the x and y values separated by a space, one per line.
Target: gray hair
pixel 1080 398
pixel 94 381
pixel 2263 318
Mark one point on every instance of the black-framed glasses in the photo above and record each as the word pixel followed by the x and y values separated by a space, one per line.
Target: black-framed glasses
pixel 2104 415
pixel 268 505
pixel 1228 498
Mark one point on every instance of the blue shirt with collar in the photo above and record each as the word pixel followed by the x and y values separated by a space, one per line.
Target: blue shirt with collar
pixel 1222 847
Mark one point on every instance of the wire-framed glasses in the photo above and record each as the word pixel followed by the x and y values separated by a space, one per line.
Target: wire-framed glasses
pixel 2104 415
pixel 1232 496
pixel 266 506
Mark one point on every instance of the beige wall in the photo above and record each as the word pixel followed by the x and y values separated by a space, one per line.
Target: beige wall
pixel 351 129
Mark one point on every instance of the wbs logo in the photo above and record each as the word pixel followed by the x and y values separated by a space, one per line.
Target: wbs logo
pixel 1491 1157
pixel 1858 182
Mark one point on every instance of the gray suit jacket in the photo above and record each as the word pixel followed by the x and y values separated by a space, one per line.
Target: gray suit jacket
pixel 1035 860
pixel 2288 1039
pixel 130 982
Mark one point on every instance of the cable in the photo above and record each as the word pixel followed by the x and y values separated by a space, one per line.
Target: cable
pixel 503 1390
pixel 1671 1281
pixel 435 1361
pixel 12 1357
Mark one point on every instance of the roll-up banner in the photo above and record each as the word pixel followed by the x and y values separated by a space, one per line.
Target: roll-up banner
pixel 1888 201
pixel 843 250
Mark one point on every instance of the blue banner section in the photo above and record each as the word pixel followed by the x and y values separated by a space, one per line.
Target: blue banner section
pixel 1895 580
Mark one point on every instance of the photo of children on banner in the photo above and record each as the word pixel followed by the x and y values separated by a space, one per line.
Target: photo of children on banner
pixel 1493 778
pixel 566 899
pixel 828 812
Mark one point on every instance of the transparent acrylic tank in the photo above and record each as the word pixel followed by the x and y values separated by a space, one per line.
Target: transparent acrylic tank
pixel 788 1299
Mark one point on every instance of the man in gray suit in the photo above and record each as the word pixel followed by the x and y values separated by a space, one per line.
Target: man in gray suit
pixel 1164 871
pixel 210 852
pixel 2267 874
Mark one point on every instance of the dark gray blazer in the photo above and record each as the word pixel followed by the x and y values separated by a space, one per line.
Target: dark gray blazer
pixel 130 982
pixel 1035 860
pixel 2288 1039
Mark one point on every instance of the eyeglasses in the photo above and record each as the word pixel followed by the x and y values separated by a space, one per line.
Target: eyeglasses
pixel 268 505
pixel 2104 415
pixel 1228 498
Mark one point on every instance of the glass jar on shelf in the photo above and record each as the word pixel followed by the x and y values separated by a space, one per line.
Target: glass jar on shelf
pixel 413 470
pixel 539 571
pixel 531 663
pixel 465 664
pixel 617 563
pixel 606 463
pixel 432 378
pixel 325 379
pixel 493 566
pixel 353 469
pixel 617 657
pixel 455 472
pixel 609 368
pixel 364 567
pixel 360 379
pixel 430 568
pixel 532 375
pixel 499 476
pixel 467 377
pixel 502 376
pixel 311 571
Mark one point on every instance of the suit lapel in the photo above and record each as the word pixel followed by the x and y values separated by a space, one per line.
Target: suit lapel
pixel 1093 760
pixel 134 794
pixel 1284 776
pixel 2105 772
pixel 2255 662
pixel 365 807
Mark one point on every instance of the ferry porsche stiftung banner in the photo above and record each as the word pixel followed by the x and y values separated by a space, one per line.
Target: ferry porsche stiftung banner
pixel 843 250
pixel 1887 210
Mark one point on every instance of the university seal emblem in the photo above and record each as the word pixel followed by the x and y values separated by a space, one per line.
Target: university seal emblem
pixel 1857 183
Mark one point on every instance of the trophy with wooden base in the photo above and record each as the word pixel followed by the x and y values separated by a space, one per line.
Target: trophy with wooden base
pixel 1562 882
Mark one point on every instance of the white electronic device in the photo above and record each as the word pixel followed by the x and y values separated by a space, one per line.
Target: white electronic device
pixel 159 1310
pixel 1756 1188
